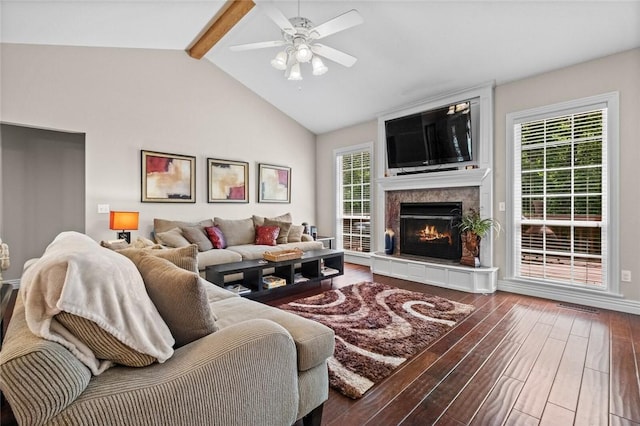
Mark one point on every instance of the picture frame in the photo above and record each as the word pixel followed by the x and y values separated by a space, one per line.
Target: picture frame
pixel 168 178
pixel 274 184
pixel 227 181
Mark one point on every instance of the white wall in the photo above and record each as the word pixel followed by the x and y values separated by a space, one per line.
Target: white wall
pixel 126 100
pixel 618 72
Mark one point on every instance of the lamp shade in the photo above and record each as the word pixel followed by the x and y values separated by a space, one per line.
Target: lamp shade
pixel 123 220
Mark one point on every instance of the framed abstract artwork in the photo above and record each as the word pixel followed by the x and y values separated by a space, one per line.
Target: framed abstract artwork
pixel 168 178
pixel 274 184
pixel 228 181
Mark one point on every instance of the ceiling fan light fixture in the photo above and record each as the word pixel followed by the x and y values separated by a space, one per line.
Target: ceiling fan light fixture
pixel 280 61
pixel 319 67
pixel 303 52
pixel 294 72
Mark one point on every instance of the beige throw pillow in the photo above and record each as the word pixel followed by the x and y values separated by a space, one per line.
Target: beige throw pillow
pixel 197 236
pixel 180 298
pixel 259 220
pixel 163 225
pixel 172 238
pixel 295 233
pixel 284 229
pixel 183 257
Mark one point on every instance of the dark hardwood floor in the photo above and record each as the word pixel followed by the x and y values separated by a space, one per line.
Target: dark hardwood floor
pixel 517 360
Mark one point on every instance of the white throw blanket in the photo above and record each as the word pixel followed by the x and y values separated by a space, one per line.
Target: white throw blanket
pixel 78 276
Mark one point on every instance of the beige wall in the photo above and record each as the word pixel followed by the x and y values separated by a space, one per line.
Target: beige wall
pixel 126 100
pixel 620 72
pixel 326 144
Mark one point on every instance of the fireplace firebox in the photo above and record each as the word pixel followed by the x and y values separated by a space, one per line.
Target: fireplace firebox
pixel 431 229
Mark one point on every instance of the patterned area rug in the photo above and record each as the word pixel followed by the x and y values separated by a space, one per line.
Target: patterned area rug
pixel 378 327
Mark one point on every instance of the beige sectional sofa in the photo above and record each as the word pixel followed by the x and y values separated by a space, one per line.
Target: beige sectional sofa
pixel 239 234
pixel 258 365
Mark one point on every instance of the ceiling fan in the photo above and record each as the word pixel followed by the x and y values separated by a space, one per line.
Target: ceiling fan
pixel 299 37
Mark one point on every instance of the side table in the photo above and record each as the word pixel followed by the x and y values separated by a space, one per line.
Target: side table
pixel 326 241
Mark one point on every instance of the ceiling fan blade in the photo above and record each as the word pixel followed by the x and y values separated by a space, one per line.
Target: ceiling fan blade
pixel 276 16
pixel 339 23
pixel 258 45
pixel 333 54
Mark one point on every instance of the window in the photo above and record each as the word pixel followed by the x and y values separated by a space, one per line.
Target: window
pixel 353 176
pixel 561 225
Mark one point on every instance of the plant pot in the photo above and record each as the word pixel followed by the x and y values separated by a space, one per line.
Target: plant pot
pixel 470 249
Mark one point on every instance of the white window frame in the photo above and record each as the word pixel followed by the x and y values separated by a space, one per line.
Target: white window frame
pixel 337 183
pixel 610 101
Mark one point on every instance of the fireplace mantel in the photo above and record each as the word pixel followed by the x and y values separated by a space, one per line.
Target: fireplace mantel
pixel 444 179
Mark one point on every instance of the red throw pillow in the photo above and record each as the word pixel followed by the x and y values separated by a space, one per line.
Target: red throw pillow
pixel 216 236
pixel 267 235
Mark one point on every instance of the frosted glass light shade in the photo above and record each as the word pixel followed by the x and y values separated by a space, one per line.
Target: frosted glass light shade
pixel 280 61
pixel 319 67
pixel 295 74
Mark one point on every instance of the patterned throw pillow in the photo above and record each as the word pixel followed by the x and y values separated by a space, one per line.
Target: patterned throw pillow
pixel 216 237
pixel 267 235
pixel 284 229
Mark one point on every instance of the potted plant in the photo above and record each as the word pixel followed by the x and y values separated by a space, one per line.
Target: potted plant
pixel 473 228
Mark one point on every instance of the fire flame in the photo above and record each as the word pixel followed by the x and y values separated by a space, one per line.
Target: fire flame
pixel 431 233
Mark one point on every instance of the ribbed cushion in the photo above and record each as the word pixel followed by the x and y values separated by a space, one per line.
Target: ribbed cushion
pixel 103 344
pixel 314 341
pixel 244 375
pixel 295 234
pixel 179 297
pixel 38 377
pixel 183 257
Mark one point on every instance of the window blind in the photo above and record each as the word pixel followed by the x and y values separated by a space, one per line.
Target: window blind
pixel 559 215
pixel 355 186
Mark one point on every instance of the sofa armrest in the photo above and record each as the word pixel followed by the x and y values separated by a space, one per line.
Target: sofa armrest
pixel 243 374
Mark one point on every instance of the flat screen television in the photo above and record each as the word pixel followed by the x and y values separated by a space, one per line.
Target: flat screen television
pixel 436 137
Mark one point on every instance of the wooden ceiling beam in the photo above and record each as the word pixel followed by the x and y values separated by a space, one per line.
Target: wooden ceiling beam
pixel 230 14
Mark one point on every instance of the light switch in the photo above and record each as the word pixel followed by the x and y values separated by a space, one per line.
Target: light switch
pixel 502 206
pixel 103 208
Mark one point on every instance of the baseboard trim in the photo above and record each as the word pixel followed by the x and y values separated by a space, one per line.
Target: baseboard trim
pixel 610 302
pixel 358 259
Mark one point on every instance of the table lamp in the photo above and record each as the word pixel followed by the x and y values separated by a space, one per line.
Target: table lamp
pixel 126 221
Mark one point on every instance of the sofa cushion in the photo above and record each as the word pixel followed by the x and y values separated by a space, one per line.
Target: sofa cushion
pixel 295 234
pixel 103 344
pixel 252 251
pixel 180 298
pixel 196 235
pixel 284 229
pixel 216 237
pixel 162 225
pixel 259 220
pixel 217 257
pixel 183 257
pixel 314 341
pixel 237 231
pixel 303 245
pixel 267 235
pixel 172 238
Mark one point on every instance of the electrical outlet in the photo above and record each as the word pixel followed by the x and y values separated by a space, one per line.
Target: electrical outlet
pixel 502 206
pixel 103 208
pixel 625 275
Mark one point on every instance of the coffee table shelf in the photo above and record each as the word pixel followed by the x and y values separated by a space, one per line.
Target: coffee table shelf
pixel 313 265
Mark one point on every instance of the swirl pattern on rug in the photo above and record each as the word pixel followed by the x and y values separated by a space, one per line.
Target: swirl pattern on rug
pixel 377 327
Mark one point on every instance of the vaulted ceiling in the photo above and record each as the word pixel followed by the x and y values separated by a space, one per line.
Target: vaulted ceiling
pixel 407 50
